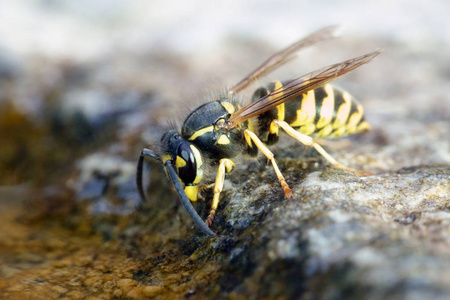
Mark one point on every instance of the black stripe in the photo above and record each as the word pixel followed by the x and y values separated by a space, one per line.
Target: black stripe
pixel 320 94
pixel 291 107
pixel 338 101
pixel 353 109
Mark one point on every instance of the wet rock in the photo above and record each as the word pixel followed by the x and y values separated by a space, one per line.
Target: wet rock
pixel 108 184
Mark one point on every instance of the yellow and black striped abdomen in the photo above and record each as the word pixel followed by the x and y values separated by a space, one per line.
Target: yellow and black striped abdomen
pixel 325 112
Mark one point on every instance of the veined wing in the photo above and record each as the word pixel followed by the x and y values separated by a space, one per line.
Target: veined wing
pixel 285 55
pixel 299 86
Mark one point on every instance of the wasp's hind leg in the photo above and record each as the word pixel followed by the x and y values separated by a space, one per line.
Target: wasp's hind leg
pixel 308 141
pixel 251 137
pixel 226 166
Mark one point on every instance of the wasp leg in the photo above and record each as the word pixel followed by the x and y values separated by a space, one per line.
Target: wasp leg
pixel 308 141
pixel 250 135
pixel 226 165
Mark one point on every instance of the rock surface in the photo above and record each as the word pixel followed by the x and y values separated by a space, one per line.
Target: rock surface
pixel 72 226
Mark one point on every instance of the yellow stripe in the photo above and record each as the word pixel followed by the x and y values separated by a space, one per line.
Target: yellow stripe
pixel 277 84
pixel 327 109
pixel 363 126
pixel 200 132
pixel 197 155
pixel 228 106
pixel 199 162
pixel 307 129
pixel 307 113
pixel 324 132
pixel 280 108
pixel 354 119
pixel 343 111
pixel 338 132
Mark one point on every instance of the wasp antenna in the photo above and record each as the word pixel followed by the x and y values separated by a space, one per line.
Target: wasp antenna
pixel 149 153
pixel 185 201
pixel 144 153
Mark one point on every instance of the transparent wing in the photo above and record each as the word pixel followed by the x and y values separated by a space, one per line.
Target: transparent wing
pixel 299 86
pixel 285 55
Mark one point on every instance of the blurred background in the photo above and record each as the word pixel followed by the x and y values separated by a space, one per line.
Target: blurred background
pixel 90 30
pixel 77 66
pixel 84 85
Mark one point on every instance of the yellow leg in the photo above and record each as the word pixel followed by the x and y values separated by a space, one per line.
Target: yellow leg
pixel 226 165
pixel 250 135
pixel 308 141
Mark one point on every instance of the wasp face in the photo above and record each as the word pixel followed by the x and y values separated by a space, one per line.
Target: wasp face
pixel 187 161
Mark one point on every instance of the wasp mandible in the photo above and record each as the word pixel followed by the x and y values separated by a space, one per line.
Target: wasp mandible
pixel 212 135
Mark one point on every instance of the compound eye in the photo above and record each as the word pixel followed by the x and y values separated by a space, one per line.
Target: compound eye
pixel 186 164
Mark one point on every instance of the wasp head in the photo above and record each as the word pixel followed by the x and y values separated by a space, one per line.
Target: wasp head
pixel 186 159
pixel 183 163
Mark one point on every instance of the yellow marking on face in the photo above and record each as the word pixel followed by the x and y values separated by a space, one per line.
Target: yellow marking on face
pixel 307 129
pixel 228 106
pixel 223 140
pixel 191 192
pixel 343 111
pixel 327 109
pixel 180 162
pixel 165 158
pixel 307 113
pixel 200 132
pixel 354 119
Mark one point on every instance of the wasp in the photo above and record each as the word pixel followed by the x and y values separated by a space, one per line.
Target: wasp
pixel 218 131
